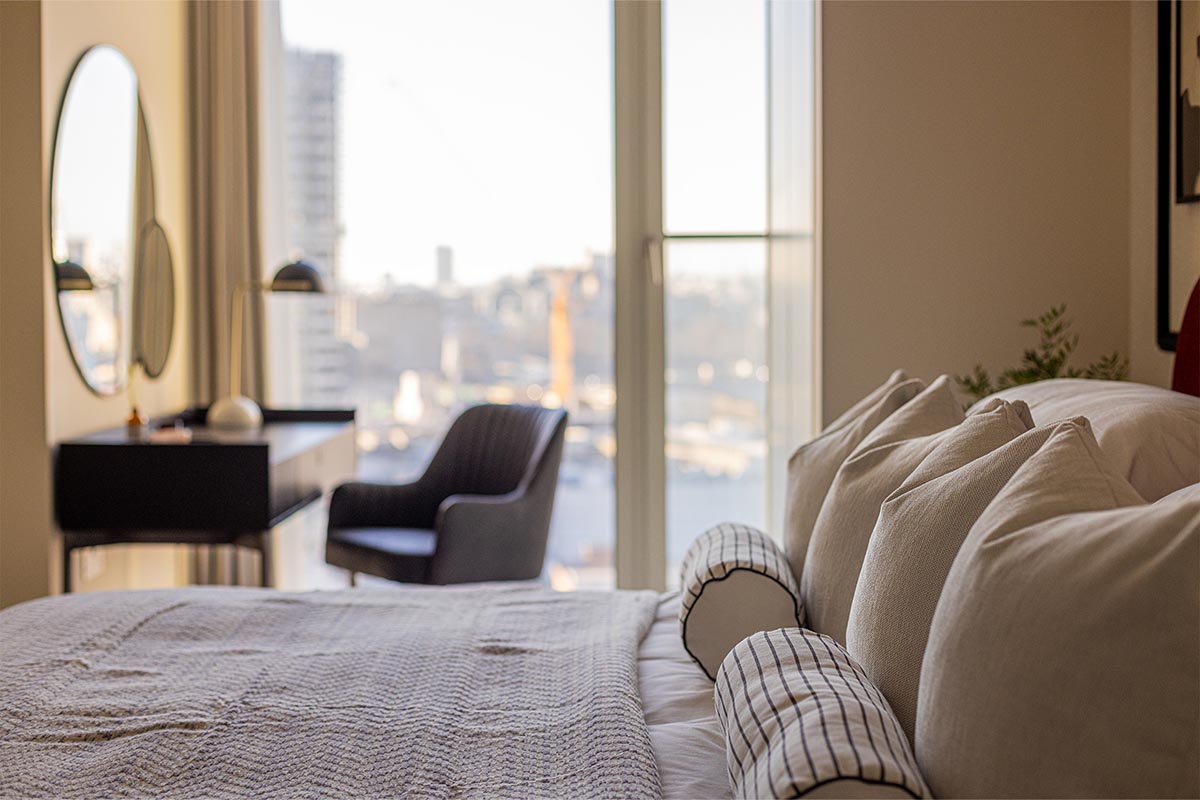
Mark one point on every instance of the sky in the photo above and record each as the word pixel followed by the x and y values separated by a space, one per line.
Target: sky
pixel 487 127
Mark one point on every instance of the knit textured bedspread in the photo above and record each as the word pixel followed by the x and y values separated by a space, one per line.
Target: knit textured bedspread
pixel 492 691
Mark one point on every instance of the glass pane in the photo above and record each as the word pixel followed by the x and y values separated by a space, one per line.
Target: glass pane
pixel 716 394
pixel 450 171
pixel 791 254
pixel 714 116
pixel 792 117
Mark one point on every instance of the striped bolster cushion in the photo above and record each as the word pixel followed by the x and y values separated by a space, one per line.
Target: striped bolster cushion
pixel 736 582
pixel 799 714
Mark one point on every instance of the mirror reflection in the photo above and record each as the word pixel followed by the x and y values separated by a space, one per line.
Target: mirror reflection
pixel 154 300
pixel 102 223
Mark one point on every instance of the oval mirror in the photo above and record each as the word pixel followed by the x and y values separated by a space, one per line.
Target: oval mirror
pixel 102 224
pixel 153 300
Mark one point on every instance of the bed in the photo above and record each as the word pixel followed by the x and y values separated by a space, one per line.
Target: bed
pixel 482 690
pixel 512 690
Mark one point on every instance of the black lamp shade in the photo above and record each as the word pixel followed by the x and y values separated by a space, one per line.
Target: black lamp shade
pixel 72 277
pixel 299 276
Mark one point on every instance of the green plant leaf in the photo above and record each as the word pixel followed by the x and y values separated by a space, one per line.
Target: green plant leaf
pixel 1050 359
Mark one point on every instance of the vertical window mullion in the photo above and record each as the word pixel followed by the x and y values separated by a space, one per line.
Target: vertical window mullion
pixel 639 336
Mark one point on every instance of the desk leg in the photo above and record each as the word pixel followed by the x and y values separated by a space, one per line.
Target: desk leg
pixel 264 553
pixel 66 569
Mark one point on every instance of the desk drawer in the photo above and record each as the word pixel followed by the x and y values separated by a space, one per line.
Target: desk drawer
pixel 188 487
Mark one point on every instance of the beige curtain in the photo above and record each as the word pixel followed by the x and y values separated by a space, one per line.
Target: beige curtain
pixel 226 245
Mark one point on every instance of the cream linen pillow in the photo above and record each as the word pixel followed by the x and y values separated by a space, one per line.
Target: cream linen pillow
pixel 811 468
pixel 1065 650
pixel 919 531
pixel 1186 493
pixel 873 471
pixel 1151 434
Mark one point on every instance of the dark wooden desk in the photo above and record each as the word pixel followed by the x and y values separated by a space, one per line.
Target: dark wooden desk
pixel 223 487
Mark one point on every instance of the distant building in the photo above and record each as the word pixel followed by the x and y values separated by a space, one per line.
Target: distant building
pixel 314 86
pixel 314 81
pixel 445 267
pixel 403 329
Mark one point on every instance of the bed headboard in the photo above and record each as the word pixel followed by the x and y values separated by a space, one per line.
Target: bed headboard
pixel 1186 376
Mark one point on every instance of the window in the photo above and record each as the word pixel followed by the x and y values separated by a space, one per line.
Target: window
pixel 454 170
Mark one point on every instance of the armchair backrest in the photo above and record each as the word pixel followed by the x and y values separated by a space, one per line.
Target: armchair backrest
pixel 493 449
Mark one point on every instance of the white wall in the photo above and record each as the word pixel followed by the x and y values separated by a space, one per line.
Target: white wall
pixel 976 172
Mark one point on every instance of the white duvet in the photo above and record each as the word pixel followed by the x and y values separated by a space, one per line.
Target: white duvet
pixel 677 698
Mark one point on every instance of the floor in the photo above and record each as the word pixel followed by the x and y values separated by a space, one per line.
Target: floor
pixel 298 559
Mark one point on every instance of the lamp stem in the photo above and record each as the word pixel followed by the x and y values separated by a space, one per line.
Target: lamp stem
pixel 235 342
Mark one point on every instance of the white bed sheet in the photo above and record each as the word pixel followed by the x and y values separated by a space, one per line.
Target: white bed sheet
pixel 677 700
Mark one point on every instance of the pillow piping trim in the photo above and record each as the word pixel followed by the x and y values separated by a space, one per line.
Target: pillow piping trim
pixel 872 781
pixel 683 633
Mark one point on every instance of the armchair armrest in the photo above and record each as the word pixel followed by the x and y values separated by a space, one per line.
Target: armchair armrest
pixel 372 505
pixel 489 537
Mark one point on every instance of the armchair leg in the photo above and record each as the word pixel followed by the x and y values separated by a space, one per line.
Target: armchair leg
pixel 353 579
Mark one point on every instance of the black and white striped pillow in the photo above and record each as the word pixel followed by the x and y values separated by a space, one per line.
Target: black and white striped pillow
pixel 736 581
pixel 799 714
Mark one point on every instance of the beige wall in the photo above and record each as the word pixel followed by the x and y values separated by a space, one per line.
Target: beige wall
pixel 1148 363
pixel 153 35
pixel 976 171
pixel 1151 365
pixel 24 457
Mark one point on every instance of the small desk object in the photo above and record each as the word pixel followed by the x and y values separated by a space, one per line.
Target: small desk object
pixel 222 487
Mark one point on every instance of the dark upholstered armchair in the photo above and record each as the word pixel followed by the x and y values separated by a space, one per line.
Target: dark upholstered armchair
pixel 481 511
